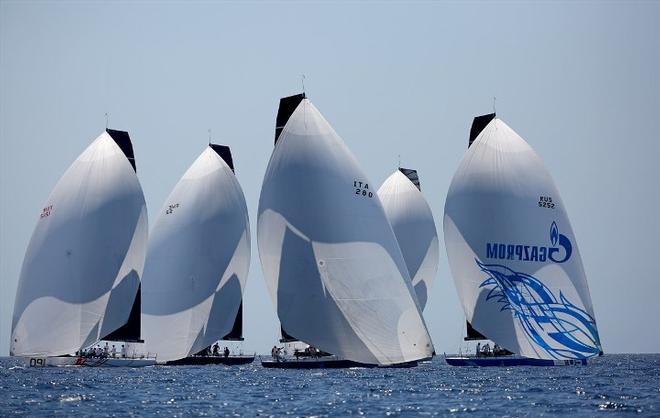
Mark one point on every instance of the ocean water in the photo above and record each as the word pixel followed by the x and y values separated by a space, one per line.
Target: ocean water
pixel 613 385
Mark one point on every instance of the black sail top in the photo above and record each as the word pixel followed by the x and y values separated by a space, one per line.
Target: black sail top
pixel 225 153
pixel 412 176
pixel 124 142
pixel 287 106
pixel 478 125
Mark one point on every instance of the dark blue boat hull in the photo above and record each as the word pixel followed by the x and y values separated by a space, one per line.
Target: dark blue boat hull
pixel 320 363
pixel 510 361
pixel 206 360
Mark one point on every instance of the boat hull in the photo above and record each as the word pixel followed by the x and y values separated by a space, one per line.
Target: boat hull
pixel 510 361
pixel 325 363
pixel 73 361
pixel 210 360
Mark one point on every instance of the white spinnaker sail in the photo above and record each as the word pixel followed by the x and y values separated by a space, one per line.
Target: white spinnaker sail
pixel 412 221
pixel 329 256
pixel 89 243
pixel 198 261
pixel 512 251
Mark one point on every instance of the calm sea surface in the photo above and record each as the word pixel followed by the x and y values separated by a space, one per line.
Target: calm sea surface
pixel 612 385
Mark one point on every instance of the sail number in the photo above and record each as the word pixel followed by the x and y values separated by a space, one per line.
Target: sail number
pixel 171 208
pixel 46 211
pixel 362 188
pixel 546 202
pixel 37 362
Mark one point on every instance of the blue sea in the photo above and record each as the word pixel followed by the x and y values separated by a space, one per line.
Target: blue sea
pixel 613 385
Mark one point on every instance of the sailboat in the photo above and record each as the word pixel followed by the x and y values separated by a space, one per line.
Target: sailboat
pixel 412 221
pixel 330 258
pixel 514 257
pixel 197 265
pixel 80 280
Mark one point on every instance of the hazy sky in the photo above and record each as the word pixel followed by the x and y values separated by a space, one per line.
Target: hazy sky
pixel 578 81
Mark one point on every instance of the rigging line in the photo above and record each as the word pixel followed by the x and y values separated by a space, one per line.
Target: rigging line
pixel 302 80
pixel 209 136
pixel 494 99
pixel 107 117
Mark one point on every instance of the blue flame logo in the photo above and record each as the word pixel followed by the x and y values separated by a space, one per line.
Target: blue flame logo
pixel 560 328
pixel 564 242
pixel 554 234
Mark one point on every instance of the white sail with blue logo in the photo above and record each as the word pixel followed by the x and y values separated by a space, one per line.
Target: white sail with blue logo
pixel 80 278
pixel 412 221
pixel 513 254
pixel 198 260
pixel 330 258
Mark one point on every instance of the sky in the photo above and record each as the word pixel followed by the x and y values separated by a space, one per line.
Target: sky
pixel 578 80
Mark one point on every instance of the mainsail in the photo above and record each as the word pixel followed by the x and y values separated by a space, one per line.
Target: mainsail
pixel 82 268
pixel 198 261
pixel 331 261
pixel 412 221
pixel 512 251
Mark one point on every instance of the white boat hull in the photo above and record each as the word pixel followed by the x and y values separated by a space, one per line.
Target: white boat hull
pixel 74 361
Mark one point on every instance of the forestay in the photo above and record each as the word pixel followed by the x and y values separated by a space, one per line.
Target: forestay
pixel 512 252
pixel 198 260
pixel 329 256
pixel 412 221
pixel 83 265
